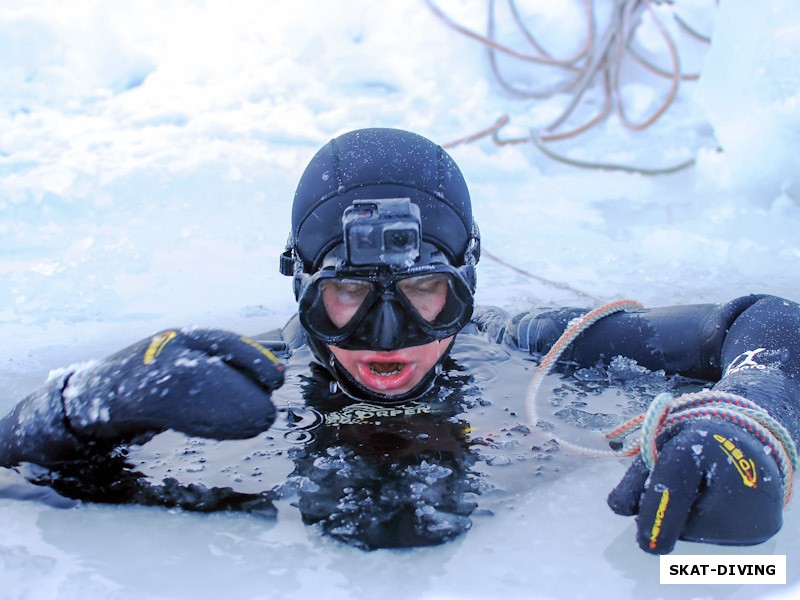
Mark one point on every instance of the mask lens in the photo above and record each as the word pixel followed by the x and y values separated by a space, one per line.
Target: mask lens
pixel 342 298
pixel 423 307
pixel 428 294
pixel 441 300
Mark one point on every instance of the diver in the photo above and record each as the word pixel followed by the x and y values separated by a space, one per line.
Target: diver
pixel 382 254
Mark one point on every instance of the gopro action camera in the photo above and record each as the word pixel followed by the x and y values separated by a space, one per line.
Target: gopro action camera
pixel 383 231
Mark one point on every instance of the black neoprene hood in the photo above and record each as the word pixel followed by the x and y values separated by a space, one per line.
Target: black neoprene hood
pixel 380 163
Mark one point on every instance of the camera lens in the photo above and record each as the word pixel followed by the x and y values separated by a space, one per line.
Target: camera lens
pixel 400 240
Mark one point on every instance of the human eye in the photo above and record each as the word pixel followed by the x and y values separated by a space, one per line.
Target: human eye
pixel 424 285
pixel 348 290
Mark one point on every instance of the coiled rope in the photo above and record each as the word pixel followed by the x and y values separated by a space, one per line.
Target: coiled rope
pixel 665 411
pixel 598 62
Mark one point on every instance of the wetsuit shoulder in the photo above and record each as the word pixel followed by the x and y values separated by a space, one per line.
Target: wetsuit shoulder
pixel 285 341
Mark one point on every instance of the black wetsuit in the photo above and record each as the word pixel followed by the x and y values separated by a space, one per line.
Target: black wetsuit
pixel 402 475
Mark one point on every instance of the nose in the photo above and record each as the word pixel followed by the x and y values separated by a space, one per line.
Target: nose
pixel 387 325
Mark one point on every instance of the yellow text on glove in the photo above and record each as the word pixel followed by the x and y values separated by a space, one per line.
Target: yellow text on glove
pixel 745 466
pixel 261 349
pixel 662 510
pixel 157 345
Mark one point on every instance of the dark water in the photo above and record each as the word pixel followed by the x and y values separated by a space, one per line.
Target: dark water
pixel 415 474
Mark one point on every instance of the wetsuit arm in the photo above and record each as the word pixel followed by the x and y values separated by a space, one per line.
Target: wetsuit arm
pixel 284 341
pixel 714 342
pixel 715 480
pixel 205 383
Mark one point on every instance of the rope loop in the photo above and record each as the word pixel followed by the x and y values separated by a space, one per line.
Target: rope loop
pixel 666 412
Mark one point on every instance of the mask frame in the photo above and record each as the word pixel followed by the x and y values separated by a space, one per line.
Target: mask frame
pixel 386 318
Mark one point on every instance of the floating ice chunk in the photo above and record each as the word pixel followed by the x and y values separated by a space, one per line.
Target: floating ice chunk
pixel 499 461
pixel 430 473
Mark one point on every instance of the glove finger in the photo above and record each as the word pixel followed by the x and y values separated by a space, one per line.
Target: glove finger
pixel 624 498
pixel 215 401
pixel 742 500
pixel 242 353
pixel 668 498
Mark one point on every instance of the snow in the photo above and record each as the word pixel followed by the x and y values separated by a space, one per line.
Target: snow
pixel 148 156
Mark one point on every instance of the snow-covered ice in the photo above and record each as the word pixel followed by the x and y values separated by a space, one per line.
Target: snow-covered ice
pixel 148 156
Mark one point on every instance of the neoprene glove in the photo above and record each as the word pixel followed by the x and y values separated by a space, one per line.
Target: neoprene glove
pixel 712 482
pixel 204 383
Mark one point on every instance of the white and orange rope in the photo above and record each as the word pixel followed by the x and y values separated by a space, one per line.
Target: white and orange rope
pixel 665 411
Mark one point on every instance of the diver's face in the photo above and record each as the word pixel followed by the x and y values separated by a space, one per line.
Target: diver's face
pixel 392 372
pixel 389 372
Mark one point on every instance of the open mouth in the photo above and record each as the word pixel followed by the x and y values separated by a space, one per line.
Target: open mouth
pixel 388 377
pixel 386 369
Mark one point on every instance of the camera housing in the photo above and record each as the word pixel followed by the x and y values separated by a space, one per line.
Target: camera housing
pixel 385 231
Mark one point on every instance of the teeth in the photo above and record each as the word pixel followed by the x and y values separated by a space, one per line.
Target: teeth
pixel 386 369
